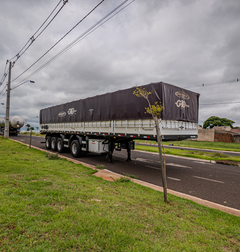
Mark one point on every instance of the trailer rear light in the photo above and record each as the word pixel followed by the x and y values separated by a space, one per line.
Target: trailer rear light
pixel 96 134
pixel 134 136
pixel 148 137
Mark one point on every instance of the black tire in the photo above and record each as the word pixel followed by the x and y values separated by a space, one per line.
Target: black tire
pixel 60 145
pixel 54 143
pixel 48 142
pixel 75 149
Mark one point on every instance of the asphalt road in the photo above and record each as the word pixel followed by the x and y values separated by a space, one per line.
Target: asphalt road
pixel 213 182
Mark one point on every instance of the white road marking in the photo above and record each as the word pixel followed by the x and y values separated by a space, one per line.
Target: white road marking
pixel 217 181
pixel 199 162
pixel 178 165
pixel 174 178
pixel 152 167
pixel 144 160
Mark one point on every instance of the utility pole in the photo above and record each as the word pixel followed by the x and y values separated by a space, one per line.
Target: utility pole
pixel 6 131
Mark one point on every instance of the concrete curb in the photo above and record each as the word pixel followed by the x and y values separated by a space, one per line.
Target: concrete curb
pixel 112 176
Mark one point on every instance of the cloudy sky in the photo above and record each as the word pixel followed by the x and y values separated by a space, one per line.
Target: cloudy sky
pixel 181 42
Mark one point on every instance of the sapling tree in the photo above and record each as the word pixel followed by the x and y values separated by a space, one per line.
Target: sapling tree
pixel 155 110
pixel 31 129
pixel 28 126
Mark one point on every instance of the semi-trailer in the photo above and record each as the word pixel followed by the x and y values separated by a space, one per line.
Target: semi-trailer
pixel 15 123
pixel 112 121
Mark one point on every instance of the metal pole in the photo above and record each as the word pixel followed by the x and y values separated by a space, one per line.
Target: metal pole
pixel 6 131
pixel 30 138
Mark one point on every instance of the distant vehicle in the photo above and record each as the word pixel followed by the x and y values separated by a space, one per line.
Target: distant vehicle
pixel 15 123
pixel 111 121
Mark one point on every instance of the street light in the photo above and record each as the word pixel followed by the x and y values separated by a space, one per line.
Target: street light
pixel 6 131
pixel 31 81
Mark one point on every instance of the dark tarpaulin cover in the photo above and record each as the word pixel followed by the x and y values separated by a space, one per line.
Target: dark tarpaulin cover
pixel 179 104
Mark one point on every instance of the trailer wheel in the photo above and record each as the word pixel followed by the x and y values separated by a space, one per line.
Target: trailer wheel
pixel 54 143
pixel 48 142
pixel 60 145
pixel 75 149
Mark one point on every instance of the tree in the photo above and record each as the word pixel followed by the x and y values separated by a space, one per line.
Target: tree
pixel 217 121
pixel 155 111
pixel 28 127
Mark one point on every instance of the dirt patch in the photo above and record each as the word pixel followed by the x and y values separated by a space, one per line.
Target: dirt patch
pixel 106 175
pixel 226 162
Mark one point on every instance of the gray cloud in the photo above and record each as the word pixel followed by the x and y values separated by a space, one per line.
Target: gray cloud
pixel 185 43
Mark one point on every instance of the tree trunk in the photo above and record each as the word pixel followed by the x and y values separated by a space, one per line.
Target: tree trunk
pixel 163 167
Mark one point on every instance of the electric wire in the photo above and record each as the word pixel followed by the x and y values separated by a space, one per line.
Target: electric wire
pixel 3 88
pixel 78 39
pixel 32 39
pixel 218 103
pixel 59 40
pixel 217 83
pixel 4 74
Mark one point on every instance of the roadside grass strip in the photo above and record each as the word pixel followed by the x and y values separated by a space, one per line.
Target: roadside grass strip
pixel 193 154
pixel 56 205
pixel 198 144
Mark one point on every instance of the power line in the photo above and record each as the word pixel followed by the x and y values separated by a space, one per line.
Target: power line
pixel 32 39
pixel 218 103
pixel 4 74
pixel 3 89
pixel 59 40
pixel 217 83
pixel 81 37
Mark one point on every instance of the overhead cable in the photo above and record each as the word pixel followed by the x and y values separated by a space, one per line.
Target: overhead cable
pixel 78 39
pixel 59 40
pixel 5 73
pixel 218 103
pixel 3 89
pixel 217 83
pixel 33 38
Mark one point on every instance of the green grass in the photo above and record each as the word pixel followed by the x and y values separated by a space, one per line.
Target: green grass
pixel 56 205
pixel 33 133
pixel 193 154
pixel 199 144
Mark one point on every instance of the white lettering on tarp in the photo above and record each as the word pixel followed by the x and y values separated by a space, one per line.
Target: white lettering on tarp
pixel 62 114
pixel 182 95
pixel 181 103
pixel 71 111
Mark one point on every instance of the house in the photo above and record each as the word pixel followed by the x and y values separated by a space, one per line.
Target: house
pixel 219 134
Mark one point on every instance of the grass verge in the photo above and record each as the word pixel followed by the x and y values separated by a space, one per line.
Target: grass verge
pixel 33 133
pixel 199 144
pixel 56 205
pixel 193 154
